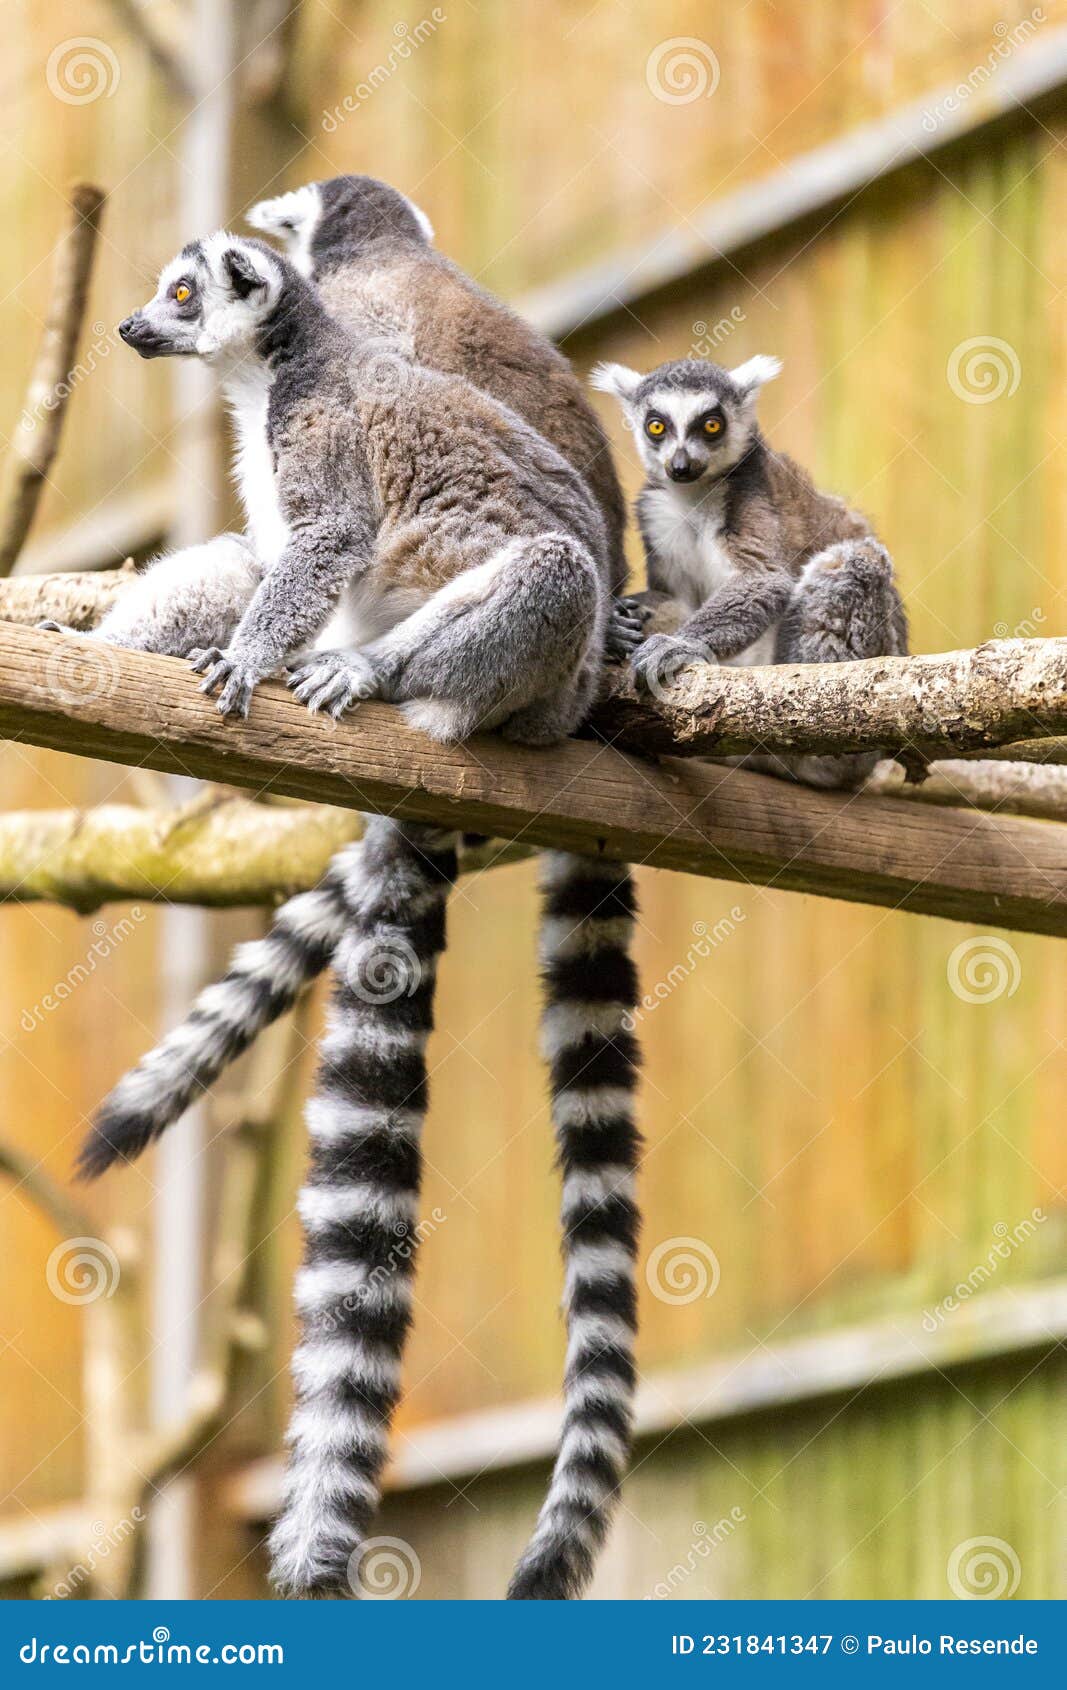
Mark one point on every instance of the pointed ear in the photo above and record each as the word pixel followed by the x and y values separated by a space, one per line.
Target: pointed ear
pixel 616 379
pixel 750 376
pixel 241 272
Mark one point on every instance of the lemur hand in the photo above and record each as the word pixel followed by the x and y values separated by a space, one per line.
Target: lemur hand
pixel 626 629
pixel 50 627
pixel 237 680
pixel 333 681
pixel 657 663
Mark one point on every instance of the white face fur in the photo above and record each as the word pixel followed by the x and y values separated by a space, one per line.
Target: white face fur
pixel 209 302
pixel 689 418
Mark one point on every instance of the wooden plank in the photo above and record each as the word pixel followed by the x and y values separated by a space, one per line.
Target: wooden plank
pixel 759 1380
pixel 726 824
pixel 814 182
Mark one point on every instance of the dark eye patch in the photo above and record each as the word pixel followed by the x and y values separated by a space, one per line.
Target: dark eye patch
pixel 710 425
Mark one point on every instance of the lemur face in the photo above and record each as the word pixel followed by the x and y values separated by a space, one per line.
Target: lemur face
pixel 691 419
pixel 210 301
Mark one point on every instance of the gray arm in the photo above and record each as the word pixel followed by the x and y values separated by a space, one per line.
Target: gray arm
pixel 738 614
pixel 291 606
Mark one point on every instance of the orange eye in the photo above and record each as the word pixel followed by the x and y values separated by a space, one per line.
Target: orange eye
pixel 655 426
pixel 182 293
pixel 713 425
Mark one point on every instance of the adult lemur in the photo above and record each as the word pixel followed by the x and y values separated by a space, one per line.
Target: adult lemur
pixel 764 567
pixel 470 562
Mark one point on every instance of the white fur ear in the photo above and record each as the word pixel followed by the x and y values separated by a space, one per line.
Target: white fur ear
pixel 755 372
pixel 421 219
pixel 616 379
pixel 287 214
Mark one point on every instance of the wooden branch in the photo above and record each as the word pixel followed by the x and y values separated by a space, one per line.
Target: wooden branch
pixel 26 1172
pixel 78 601
pixel 218 852
pixel 930 706
pixel 1009 788
pixel 36 440
pixel 163 32
pixel 724 823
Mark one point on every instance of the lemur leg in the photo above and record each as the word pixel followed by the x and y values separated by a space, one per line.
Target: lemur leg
pixel 508 637
pixel 845 606
pixel 189 598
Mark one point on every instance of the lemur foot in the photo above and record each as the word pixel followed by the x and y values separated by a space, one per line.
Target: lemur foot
pixel 50 627
pixel 659 661
pixel 333 681
pixel 626 629
pixel 238 682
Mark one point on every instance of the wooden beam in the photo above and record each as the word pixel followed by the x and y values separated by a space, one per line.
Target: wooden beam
pixel 811 184
pixel 97 701
pixel 766 1379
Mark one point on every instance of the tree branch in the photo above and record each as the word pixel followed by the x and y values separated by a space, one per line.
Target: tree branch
pixel 931 707
pixel 161 29
pixel 96 701
pixel 36 439
pixel 219 852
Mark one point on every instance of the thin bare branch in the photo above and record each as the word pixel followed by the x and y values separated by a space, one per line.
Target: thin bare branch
pixel 36 439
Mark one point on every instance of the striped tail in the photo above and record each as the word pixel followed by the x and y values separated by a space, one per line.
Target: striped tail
pixel 263 981
pixel 359 1206
pixel 590 990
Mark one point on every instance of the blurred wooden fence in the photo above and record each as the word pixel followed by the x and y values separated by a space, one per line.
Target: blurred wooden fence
pixel 854 1118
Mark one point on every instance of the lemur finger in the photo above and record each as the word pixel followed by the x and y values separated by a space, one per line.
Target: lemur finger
pixel 336 691
pixel 216 676
pixel 236 696
pixel 50 627
pixel 307 682
pixel 201 656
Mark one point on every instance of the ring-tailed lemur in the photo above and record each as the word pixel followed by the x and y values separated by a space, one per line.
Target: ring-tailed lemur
pixel 470 560
pixel 369 251
pixel 767 568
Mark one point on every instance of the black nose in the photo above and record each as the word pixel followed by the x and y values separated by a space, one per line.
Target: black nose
pixel 682 468
pixel 126 329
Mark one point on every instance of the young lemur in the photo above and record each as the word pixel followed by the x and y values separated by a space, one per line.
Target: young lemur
pixel 469 563
pixel 763 566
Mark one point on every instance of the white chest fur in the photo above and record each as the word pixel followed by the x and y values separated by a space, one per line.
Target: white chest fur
pixel 247 392
pixel 684 528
